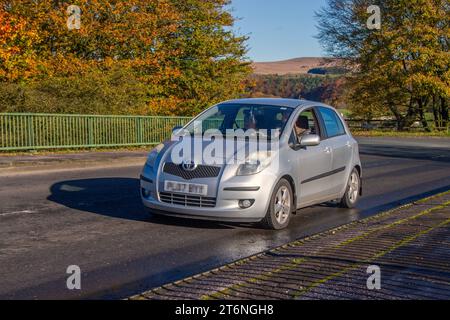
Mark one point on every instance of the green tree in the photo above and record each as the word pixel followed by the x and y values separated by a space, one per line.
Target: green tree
pixel 211 57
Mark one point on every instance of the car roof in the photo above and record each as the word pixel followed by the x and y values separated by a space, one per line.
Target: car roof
pixel 287 103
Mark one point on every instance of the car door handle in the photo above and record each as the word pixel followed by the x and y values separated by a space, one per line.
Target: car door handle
pixel 327 150
pixel 348 144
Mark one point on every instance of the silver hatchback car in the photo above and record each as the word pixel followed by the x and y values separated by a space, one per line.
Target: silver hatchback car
pixel 303 155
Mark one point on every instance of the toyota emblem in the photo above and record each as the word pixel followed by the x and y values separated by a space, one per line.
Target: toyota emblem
pixel 189 166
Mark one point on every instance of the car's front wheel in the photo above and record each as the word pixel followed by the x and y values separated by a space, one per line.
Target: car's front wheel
pixel 351 196
pixel 280 209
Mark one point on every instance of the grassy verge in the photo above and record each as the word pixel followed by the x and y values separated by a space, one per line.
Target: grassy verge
pixel 376 133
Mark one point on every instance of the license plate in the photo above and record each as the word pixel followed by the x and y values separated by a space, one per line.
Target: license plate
pixel 186 188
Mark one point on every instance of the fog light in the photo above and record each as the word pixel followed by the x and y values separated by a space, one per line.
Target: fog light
pixel 245 204
pixel 146 193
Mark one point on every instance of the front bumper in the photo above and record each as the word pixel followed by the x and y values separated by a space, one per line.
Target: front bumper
pixel 227 209
pixel 220 213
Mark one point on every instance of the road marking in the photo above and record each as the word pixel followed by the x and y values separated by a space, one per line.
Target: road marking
pixel 3 214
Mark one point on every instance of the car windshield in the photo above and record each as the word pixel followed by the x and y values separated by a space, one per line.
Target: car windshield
pixel 260 119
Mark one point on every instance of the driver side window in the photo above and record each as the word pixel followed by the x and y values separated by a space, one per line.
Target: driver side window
pixel 305 124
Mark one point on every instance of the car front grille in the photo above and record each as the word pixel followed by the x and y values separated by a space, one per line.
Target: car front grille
pixel 187 200
pixel 200 172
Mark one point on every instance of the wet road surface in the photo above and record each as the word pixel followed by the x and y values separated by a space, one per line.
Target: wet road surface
pixel 93 218
pixel 408 247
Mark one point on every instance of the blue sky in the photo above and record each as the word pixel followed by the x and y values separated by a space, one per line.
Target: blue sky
pixel 278 29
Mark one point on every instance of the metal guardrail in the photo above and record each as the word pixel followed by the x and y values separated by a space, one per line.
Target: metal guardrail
pixel 27 131
pixel 390 125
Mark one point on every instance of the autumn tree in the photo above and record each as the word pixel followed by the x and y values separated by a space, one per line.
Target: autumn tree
pixel 326 89
pixel 402 68
pixel 17 58
pixel 181 51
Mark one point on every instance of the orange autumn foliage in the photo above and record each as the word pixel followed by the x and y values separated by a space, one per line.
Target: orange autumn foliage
pixel 181 51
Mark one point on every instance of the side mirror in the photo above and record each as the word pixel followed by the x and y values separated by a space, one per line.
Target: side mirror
pixel 310 140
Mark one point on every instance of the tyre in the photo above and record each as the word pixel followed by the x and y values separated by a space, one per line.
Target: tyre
pixel 351 196
pixel 279 213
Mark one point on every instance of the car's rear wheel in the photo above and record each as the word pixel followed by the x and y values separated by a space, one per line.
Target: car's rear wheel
pixel 351 196
pixel 279 213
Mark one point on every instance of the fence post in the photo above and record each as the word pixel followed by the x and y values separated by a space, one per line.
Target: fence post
pixel 30 133
pixel 90 132
pixel 138 130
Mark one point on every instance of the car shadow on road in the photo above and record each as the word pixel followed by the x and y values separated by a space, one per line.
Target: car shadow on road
pixel 119 198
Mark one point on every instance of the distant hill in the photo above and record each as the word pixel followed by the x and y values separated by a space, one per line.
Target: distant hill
pixel 296 66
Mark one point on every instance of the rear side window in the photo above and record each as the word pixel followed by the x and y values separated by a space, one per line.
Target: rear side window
pixel 333 123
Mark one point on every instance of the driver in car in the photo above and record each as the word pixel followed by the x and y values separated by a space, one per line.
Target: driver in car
pixel 302 127
pixel 249 120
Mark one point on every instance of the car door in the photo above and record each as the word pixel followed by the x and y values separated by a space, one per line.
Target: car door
pixel 341 147
pixel 311 164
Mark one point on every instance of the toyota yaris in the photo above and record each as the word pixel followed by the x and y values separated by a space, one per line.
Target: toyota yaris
pixel 254 160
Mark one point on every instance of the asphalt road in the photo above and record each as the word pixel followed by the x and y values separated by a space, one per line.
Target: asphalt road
pixel 92 217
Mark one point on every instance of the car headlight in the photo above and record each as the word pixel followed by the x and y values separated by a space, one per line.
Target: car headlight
pixel 151 160
pixel 255 164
